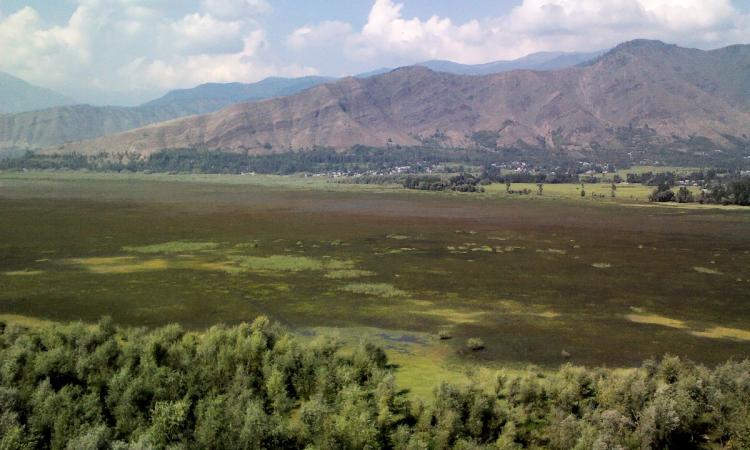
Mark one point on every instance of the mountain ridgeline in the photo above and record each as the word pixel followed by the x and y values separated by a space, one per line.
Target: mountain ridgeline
pixel 214 96
pixel 58 125
pixel 642 98
pixel 17 95
pixel 54 126
pixel 534 61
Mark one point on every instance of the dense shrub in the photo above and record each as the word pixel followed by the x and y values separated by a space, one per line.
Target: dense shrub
pixel 684 195
pixel 733 193
pixel 460 183
pixel 475 344
pixel 255 386
pixel 662 194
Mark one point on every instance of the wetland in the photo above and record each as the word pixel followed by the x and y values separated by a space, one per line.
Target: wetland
pixel 540 281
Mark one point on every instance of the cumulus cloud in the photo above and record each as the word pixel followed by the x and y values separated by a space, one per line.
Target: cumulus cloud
pixel 236 8
pixel 573 24
pixel 28 47
pixel 202 33
pixel 189 70
pixel 140 47
pixel 320 34
pixel 534 25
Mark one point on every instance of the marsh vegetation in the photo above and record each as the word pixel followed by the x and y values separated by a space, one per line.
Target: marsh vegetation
pixel 535 278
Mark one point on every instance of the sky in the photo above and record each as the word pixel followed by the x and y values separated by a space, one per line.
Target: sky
pixel 130 51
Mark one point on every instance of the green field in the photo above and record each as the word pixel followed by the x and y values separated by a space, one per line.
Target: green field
pixel 608 281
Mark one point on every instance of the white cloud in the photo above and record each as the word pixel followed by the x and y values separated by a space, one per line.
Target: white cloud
pixel 202 33
pixel 435 37
pixel 321 33
pixel 236 8
pixel 140 47
pixel 28 47
pixel 191 70
pixel 534 25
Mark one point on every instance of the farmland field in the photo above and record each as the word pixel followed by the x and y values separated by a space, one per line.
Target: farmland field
pixel 539 279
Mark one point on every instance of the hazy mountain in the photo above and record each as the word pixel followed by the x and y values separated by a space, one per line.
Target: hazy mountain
pixel 534 61
pixel 53 126
pixel 642 94
pixel 17 95
pixel 219 95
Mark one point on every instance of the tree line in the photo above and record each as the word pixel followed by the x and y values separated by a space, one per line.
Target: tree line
pixel 735 192
pixel 254 386
pixel 358 159
pixel 463 182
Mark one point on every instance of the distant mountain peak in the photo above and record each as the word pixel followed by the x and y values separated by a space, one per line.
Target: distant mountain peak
pixel 533 61
pixel 417 69
pixel 645 45
pixel 17 95
pixel 638 48
pixel 228 93
pixel 641 43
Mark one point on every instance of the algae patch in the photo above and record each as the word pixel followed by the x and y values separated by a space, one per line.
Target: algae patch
pixel 655 319
pixel 278 263
pixel 454 315
pixel 723 333
pixel 124 264
pixel 23 273
pixel 712 332
pixel 172 247
pixel 706 270
pixel 290 263
pixel 384 290
pixel 344 274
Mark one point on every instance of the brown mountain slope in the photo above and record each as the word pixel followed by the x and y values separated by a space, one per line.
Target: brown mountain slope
pixel 53 126
pixel 42 128
pixel 642 93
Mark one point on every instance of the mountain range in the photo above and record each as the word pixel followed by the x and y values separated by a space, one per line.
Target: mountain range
pixel 534 61
pixel 642 95
pixel 16 95
pixel 54 126
pixel 214 96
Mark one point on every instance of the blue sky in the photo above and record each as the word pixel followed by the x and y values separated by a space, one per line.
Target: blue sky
pixel 290 13
pixel 128 51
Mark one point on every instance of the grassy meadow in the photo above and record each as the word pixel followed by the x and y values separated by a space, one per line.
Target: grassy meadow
pixel 539 279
